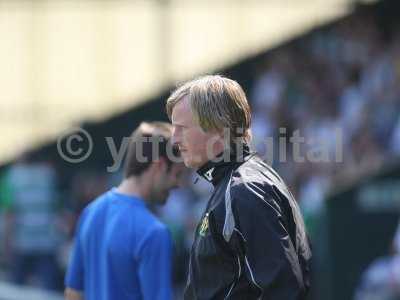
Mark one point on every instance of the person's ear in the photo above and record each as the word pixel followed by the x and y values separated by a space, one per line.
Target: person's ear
pixel 221 138
pixel 161 164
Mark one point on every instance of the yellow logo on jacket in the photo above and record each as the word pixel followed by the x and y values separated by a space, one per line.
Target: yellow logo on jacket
pixel 204 225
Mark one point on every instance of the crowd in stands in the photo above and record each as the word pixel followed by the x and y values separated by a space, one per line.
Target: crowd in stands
pixel 338 89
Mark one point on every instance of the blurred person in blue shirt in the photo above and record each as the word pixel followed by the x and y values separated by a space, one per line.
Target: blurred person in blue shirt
pixel 122 251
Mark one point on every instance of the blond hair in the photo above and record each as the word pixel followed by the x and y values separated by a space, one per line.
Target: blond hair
pixel 217 103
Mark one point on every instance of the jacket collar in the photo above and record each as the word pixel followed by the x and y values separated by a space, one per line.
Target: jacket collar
pixel 214 170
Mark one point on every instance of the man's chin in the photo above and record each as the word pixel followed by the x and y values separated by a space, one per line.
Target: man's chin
pixel 187 163
pixel 191 164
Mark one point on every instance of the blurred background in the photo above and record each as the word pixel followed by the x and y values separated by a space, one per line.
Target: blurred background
pixel 328 69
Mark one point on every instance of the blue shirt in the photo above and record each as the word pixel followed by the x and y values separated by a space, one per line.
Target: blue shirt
pixel 121 251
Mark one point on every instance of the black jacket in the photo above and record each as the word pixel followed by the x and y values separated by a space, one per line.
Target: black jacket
pixel 251 241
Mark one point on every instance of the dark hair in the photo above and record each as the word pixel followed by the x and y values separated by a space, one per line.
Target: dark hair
pixel 148 143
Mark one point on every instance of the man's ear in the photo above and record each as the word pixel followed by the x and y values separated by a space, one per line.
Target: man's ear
pixel 222 139
pixel 161 164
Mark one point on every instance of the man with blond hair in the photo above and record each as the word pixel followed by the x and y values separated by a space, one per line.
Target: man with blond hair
pixel 251 241
pixel 122 251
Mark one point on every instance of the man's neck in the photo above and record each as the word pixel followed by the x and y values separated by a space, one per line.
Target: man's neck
pixel 132 187
pixel 217 168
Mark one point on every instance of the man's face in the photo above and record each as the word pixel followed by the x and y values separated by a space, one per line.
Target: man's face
pixel 165 179
pixel 196 146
